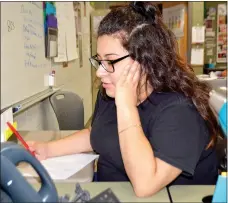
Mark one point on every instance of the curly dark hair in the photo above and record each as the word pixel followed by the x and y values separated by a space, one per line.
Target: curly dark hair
pixel 143 34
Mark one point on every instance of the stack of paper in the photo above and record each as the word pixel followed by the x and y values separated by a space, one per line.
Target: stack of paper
pixel 61 168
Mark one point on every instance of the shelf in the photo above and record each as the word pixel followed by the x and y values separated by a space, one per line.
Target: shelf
pixel 215 69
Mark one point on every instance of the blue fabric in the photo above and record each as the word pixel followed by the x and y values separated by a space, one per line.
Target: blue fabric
pixel 223 118
pixel 220 190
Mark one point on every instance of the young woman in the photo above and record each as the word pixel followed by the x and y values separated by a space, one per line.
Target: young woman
pixel 152 123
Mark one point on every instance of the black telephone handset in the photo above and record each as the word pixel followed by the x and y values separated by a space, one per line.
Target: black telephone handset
pixel 13 184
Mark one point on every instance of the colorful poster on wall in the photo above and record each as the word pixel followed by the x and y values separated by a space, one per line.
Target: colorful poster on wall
pixel 210 35
pixel 221 34
pixel 173 17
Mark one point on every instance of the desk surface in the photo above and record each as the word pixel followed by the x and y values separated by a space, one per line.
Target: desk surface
pixel 123 191
pixel 190 193
pixel 84 175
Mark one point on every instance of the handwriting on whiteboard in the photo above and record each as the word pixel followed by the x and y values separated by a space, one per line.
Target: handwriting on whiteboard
pixel 37 4
pixel 10 25
pixel 25 10
pixel 33 34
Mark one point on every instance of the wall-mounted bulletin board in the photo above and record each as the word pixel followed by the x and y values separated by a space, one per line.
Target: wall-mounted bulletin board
pixel 210 35
pixel 215 19
pixel 221 33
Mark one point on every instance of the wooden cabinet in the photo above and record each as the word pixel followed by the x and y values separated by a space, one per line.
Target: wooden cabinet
pixel 182 41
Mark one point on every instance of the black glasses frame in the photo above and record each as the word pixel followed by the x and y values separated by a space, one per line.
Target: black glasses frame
pixel 112 62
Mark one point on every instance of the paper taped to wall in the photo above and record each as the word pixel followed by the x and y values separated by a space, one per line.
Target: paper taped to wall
pixel 61 168
pixel 198 34
pixel 197 56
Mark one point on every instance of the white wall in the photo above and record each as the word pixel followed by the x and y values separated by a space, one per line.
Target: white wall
pixel 41 115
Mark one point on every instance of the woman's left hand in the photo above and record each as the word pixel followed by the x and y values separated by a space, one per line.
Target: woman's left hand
pixel 126 87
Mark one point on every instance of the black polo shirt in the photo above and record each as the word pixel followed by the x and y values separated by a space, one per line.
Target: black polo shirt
pixel 175 130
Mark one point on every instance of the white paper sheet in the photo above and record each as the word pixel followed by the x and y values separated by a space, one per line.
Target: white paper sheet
pixel 62 52
pixel 6 116
pixel 71 33
pixel 198 34
pixel 67 49
pixel 197 56
pixel 61 168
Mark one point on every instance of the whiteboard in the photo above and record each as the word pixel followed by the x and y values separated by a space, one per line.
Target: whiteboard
pixel 23 62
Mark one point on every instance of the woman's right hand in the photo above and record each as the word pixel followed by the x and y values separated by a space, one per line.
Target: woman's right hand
pixel 40 149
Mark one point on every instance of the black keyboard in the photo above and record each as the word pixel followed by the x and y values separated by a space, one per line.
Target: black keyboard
pixel 83 196
pixel 105 196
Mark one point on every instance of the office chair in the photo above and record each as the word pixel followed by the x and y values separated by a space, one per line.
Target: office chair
pixel 69 110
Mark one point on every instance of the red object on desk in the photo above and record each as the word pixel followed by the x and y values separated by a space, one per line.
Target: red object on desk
pixel 19 137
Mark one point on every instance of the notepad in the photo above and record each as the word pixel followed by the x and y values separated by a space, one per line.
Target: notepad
pixel 61 168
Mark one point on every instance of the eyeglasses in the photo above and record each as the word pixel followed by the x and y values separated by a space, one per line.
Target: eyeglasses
pixel 108 65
